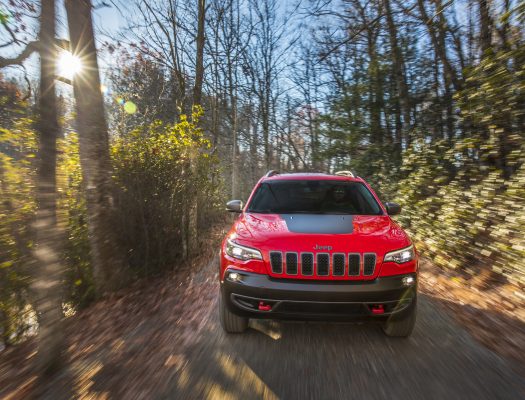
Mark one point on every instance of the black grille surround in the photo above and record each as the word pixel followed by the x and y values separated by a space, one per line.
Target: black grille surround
pixel 296 264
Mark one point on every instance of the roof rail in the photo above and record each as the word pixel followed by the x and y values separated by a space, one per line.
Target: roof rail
pixel 345 173
pixel 271 173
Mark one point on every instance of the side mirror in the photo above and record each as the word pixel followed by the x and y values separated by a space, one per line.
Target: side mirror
pixel 234 206
pixel 393 208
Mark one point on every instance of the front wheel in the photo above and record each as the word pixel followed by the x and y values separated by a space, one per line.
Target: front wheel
pixel 402 325
pixel 230 322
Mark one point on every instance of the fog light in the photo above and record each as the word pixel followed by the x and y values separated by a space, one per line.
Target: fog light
pixel 234 276
pixel 409 280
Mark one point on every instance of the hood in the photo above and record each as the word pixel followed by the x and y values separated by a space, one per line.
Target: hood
pixel 311 232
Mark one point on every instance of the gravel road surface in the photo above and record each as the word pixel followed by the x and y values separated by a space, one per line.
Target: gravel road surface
pixel 288 360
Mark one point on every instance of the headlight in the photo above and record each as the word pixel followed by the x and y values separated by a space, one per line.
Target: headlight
pixel 241 252
pixel 401 256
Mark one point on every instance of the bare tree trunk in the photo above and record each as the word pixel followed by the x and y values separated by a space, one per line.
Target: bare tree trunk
pixel 235 172
pixel 184 229
pixel 505 26
pixel 216 90
pixel 485 27
pixel 437 37
pixel 193 229
pixel 437 33
pixel 470 33
pixel 193 203
pixel 49 268
pixel 234 120
pixel 253 127
pixel 189 215
pixel 199 64
pixel 4 335
pixel 399 74
pixel 375 92
pixel 107 259
pixel 438 129
pixel 265 119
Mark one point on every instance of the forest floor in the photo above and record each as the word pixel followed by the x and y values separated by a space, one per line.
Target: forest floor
pixel 161 339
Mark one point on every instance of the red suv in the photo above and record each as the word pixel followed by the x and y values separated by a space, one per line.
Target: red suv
pixel 317 246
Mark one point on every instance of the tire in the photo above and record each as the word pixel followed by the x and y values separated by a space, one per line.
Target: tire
pixel 230 322
pixel 402 325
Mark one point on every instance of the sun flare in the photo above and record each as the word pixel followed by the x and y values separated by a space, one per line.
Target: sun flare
pixel 69 65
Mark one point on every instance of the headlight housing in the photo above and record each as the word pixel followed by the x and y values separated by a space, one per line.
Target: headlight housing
pixel 401 256
pixel 242 252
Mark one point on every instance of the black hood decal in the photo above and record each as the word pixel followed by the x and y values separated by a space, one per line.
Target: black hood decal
pixel 318 223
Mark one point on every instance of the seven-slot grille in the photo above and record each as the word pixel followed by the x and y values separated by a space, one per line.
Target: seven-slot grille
pixel 323 264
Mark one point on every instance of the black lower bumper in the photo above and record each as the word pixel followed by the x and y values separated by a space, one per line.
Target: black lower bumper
pixel 260 296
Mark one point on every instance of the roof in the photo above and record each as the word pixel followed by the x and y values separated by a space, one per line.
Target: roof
pixel 310 176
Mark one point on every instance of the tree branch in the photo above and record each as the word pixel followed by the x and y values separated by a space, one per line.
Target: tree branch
pixel 18 60
pixel 29 89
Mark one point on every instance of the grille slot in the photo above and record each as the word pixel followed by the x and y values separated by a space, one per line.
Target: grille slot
pixel 307 264
pixel 369 263
pixel 354 264
pixel 291 263
pixel 338 264
pixel 276 261
pixel 323 264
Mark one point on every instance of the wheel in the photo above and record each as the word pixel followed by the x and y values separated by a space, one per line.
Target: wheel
pixel 230 322
pixel 402 325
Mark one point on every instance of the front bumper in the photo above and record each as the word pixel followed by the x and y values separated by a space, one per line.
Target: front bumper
pixel 260 296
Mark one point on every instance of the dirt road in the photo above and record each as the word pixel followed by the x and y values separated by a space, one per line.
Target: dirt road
pixel 164 341
pixel 344 361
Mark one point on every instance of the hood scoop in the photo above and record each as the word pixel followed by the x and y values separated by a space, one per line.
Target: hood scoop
pixel 318 223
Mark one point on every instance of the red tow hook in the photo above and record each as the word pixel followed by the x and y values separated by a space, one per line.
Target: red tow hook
pixel 378 309
pixel 264 307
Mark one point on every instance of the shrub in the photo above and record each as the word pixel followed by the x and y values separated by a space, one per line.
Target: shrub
pixel 161 169
pixel 17 205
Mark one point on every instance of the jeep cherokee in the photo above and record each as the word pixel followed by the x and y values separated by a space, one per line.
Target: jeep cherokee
pixel 317 247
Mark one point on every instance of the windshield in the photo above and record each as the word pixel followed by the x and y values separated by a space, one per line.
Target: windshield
pixel 314 197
